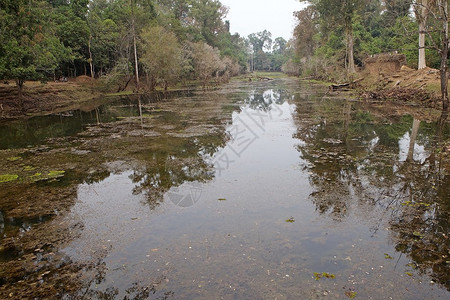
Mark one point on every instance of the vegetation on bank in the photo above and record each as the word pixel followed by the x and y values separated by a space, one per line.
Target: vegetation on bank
pixel 334 38
pixel 143 44
pixel 147 45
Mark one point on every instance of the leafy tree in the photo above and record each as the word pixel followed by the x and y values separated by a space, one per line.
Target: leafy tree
pixel 305 32
pixel 394 9
pixel 422 10
pixel 206 61
pixel 29 47
pixel 260 41
pixel 279 45
pixel 72 29
pixel 278 55
pixel 340 13
pixel 207 20
pixel 162 55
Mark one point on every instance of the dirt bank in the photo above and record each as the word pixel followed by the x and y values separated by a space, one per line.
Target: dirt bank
pixel 385 77
pixel 44 98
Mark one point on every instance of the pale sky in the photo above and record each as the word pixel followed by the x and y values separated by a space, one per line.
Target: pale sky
pixel 250 16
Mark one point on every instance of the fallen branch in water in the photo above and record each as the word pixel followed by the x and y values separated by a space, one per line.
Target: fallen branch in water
pixel 343 86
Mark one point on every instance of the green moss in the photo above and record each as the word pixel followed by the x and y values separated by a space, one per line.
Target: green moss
pixel 8 177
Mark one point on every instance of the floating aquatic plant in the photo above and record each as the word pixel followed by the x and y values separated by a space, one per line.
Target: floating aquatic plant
pixel 290 220
pixel 387 256
pixel 317 276
pixel 52 175
pixel 56 174
pixel 411 204
pixel 15 158
pixel 8 177
pixel 418 234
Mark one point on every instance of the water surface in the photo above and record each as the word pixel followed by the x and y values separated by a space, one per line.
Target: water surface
pixel 260 191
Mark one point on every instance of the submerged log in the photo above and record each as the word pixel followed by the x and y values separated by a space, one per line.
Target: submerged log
pixel 345 86
pixel 264 78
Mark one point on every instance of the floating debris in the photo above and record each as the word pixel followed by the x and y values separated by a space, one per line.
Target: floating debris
pixel 317 276
pixel 387 256
pixel 290 220
pixel 350 294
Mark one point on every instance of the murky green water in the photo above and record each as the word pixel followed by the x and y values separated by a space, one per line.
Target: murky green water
pixel 250 192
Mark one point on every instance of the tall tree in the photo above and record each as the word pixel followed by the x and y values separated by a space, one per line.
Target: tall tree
pixel 422 10
pixel 260 41
pixel 305 31
pixel 340 13
pixel 207 20
pixel 29 48
pixel 73 30
pixel 206 61
pixel 444 43
pixel 162 56
pixel 394 9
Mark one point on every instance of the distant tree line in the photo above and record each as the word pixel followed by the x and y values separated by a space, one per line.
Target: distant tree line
pixel 266 54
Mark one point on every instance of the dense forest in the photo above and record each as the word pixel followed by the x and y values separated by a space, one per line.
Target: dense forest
pixel 366 27
pixel 154 42
pixel 334 37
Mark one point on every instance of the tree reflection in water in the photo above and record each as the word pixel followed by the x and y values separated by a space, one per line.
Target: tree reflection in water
pixel 353 156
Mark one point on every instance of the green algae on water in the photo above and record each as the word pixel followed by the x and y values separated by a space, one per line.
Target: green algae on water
pixel 52 175
pixel 15 158
pixel 8 177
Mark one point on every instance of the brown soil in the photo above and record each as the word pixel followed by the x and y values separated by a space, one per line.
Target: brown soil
pixel 386 78
pixel 40 98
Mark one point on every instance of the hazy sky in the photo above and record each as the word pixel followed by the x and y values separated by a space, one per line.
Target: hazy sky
pixel 249 16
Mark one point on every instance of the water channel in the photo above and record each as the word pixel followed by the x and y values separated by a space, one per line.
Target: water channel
pixel 269 190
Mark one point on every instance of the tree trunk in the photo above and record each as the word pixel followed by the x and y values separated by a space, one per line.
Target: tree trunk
pixel 91 65
pixel 422 16
pixel 412 141
pixel 443 9
pixel 19 83
pixel 133 32
pixel 350 45
pixel 152 83
pixel 136 65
